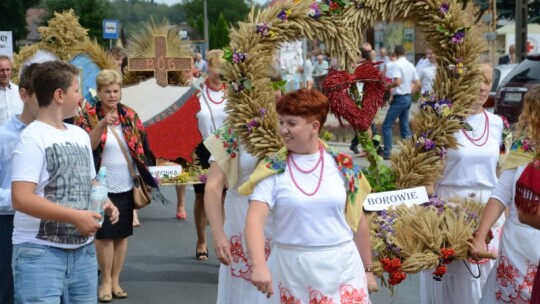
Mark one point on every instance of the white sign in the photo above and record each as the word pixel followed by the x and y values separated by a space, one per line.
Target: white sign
pixel 161 171
pixel 6 44
pixel 384 200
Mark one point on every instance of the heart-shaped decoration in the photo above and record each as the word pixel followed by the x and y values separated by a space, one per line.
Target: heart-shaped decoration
pixel 338 86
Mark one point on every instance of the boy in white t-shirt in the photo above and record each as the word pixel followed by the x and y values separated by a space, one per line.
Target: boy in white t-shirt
pixel 53 253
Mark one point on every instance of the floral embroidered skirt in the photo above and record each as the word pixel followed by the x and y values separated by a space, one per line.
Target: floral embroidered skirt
pixel 511 279
pixel 322 275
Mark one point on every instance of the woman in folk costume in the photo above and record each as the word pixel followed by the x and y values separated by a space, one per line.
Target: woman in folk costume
pixel 470 171
pixel 230 165
pixel 511 280
pixel 210 118
pixel 314 197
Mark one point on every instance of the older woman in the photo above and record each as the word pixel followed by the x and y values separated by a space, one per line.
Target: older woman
pixel 511 279
pixel 109 116
pixel 314 195
pixel 470 171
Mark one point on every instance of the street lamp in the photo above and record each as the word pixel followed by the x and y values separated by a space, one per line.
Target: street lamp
pixel 206 38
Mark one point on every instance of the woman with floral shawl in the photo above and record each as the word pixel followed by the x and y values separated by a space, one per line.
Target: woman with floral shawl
pixel 101 121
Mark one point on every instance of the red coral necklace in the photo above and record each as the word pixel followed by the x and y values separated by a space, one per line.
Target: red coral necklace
pixel 218 90
pixel 485 134
pixel 320 162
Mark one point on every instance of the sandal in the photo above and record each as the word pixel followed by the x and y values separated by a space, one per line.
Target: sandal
pixel 181 216
pixel 119 294
pixel 202 256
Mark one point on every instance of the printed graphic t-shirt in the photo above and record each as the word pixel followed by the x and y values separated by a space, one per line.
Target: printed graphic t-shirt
pixel 60 163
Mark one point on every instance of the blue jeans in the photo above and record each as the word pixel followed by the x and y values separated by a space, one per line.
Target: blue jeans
pixel 45 274
pixel 6 277
pixel 399 108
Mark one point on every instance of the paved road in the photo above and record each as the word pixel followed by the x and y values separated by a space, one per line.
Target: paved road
pixel 161 267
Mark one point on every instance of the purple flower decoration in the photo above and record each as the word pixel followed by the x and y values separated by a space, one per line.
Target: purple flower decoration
pixel 314 11
pixel 425 142
pixel 444 8
pixel 283 15
pixel 238 57
pixel 203 178
pixel 263 28
pixel 442 153
pixel 252 124
pixel 458 37
pixel 262 112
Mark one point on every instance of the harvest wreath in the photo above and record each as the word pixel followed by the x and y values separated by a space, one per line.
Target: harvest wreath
pixel 339 23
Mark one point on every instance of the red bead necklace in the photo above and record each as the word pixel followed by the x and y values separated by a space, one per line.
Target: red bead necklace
pixel 290 159
pixel 475 141
pixel 218 90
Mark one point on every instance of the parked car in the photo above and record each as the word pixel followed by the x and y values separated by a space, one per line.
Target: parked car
pixel 499 73
pixel 523 77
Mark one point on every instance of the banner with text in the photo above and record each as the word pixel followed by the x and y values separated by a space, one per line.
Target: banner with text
pixel 165 171
pixel 384 200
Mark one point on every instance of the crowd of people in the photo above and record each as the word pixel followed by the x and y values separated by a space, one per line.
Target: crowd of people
pixel 286 229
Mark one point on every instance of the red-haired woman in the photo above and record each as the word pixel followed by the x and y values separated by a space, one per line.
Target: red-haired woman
pixel 314 196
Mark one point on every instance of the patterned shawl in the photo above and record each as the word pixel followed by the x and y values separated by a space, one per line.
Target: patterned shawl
pixel 132 130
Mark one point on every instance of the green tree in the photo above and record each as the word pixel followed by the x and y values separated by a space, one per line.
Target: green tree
pixel 91 13
pixel 232 10
pixel 219 36
pixel 221 13
pixel 13 16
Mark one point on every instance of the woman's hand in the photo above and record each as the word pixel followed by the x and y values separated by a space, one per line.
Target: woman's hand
pixel 371 282
pixel 112 211
pixel 479 246
pixel 262 279
pixel 110 119
pixel 222 247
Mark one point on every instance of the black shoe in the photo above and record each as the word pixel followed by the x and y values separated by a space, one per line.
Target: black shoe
pixel 354 149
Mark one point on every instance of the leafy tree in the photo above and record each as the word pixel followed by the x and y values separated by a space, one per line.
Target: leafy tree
pixel 220 14
pixel 220 33
pixel 13 16
pixel 506 9
pixel 91 13
pixel 232 10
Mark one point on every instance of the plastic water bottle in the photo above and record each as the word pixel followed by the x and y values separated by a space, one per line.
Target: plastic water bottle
pixel 99 194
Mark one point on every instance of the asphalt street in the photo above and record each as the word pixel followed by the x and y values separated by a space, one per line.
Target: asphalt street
pixel 161 267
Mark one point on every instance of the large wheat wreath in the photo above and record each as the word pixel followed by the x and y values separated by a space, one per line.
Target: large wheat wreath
pixel 339 23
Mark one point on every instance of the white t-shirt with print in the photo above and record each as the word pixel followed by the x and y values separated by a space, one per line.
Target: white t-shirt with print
pixel 212 115
pixel 311 221
pixel 61 165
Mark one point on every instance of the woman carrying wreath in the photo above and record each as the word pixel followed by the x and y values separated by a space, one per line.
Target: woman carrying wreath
pixel 314 197
pixel 231 165
pixel 511 279
pixel 108 116
pixel 470 172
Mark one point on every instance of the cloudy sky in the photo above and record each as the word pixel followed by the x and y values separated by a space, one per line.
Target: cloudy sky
pixel 178 1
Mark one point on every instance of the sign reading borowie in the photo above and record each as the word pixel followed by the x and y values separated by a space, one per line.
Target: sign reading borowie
pixel 384 200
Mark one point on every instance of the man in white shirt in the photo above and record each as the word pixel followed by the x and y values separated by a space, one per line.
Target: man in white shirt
pixel 10 101
pixel 405 81
pixel 428 71
pixel 320 67
pixel 200 64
